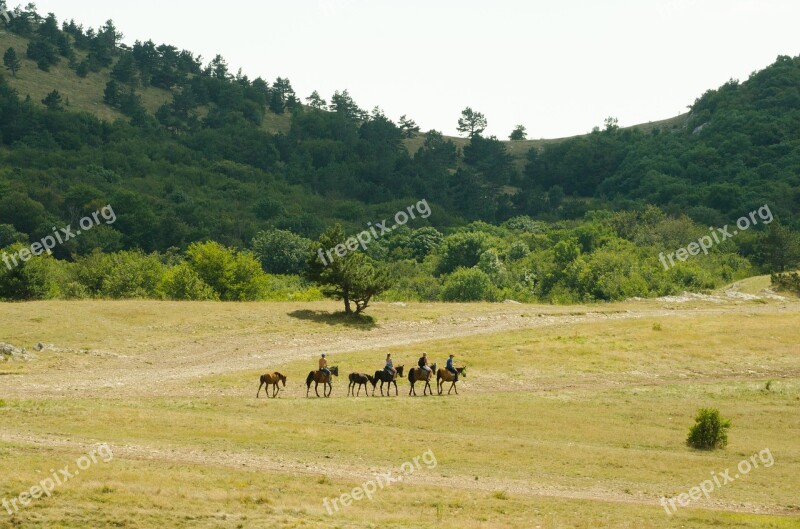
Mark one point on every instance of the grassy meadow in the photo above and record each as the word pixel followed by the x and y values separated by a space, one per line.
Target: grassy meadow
pixel 568 417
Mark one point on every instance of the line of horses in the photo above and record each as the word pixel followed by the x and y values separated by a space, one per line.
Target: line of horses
pixel 415 374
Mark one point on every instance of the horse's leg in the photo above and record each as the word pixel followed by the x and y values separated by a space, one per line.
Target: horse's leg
pixel 327 389
pixel 411 389
pixel 259 389
pixel 275 392
pixel 395 387
pixel 316 385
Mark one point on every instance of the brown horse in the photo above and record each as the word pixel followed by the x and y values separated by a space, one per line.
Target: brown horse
pixel 417 374
pixel 318 377
pixel 384 376
pixel 359 379
pixel 443 375
pixel 271 378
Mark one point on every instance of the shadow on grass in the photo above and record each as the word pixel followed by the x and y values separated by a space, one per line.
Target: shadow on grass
pixel 356 321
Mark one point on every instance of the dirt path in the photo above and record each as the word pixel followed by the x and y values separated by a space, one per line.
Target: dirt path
pixel 356 474
pixel 167 372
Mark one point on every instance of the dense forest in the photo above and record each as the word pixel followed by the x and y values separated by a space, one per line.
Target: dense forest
pixel 210 205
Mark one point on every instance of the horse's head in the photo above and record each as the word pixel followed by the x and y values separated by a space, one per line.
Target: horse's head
pixel 335 371
pixel 372 380
pixel 283 379
pixel 399 370
pixel 433 368
pixel 462 371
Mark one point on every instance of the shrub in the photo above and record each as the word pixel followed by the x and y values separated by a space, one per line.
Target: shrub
pixel 469 284
pixel 281 252
pixel 235 276
pixel 132 274
pixel 462 250
pixel 789 282
pixel 518 250
pixel 709 431
pixel 182 283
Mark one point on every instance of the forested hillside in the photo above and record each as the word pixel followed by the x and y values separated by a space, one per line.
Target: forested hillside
pixel 187 152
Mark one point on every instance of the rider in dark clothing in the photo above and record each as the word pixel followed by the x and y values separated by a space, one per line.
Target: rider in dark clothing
pixel 451 368
pixel 423 362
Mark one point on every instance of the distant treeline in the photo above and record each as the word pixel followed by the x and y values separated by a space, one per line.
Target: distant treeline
pixel 606 256
pixel 203 168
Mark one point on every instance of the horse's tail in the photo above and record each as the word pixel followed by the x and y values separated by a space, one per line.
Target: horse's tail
pixel 411 375
pixel 309 379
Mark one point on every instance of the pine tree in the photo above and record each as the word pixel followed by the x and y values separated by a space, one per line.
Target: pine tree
pixel 11 61
pixel 53 101
pixel 472 123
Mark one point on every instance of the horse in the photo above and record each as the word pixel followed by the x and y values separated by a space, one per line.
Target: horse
pixel 359 379
pixel 271 378
pixel 318 377
pixel 417 374
pixel 384 376
pixel 443 375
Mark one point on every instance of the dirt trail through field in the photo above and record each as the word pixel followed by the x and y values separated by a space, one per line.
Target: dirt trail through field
pixel 423 476
pixel 169 372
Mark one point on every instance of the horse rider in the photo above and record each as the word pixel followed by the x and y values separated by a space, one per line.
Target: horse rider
pixel 451 368
pixel 323 365
pixel 423 363
pixel 389 367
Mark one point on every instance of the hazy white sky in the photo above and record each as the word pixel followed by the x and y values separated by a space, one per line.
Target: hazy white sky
pixel 559 67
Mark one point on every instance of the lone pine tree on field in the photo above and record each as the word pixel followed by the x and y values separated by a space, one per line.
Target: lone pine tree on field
pixel 471 123
pixel 518 134
pixel 353 278
pixel 11 61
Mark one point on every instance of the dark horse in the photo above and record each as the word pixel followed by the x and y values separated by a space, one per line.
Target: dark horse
pixel 359 379
pixel 271 378
pixel 443 375
pixel 417 374
pixel 384 376
pixel 318 377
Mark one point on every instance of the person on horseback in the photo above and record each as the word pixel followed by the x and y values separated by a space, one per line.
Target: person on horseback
pixel 389 367
pixel 423 363
pixel 451 368
pixel 323 365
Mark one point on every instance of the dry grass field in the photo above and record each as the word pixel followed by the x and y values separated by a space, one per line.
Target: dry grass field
pixel 568 417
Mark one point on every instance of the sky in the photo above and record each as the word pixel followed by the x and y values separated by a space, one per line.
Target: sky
pixel 558 67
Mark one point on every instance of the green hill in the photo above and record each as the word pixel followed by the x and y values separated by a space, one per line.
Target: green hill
pixel 189 152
